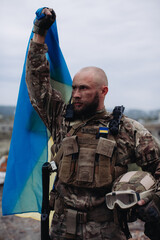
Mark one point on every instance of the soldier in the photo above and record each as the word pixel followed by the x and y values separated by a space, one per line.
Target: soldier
pixel 92 148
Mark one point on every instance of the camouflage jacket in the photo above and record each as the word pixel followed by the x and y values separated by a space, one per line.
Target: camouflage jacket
pixel 134 142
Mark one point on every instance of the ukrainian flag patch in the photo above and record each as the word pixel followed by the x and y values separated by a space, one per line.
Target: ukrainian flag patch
pixel 103 130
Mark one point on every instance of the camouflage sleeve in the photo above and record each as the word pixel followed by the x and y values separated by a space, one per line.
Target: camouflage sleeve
pixel 46 101
pixel 146 149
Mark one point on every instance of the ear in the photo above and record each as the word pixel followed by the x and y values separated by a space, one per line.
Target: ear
pixel 104 90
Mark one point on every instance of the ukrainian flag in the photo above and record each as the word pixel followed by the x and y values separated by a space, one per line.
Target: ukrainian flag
pixel 22 190
pixel 103 130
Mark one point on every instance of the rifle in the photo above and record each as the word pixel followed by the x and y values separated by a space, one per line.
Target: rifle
pixel 47 169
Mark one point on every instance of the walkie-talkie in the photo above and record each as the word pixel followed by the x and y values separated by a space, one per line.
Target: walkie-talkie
pixel 114 123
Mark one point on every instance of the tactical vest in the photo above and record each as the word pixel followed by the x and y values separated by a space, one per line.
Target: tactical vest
pixel 88 159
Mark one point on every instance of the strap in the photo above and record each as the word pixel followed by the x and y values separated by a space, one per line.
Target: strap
pixel 74 128
pixel 58 155
pixel 122 219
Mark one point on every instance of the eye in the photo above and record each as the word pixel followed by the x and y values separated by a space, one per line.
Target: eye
pixel 83 87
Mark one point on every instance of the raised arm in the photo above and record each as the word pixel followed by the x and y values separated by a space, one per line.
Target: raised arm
pixel 46 101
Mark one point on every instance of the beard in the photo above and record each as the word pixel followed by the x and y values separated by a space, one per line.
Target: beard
pixel 88 110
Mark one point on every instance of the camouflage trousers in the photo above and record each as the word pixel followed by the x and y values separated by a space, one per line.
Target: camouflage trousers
pixel 88 231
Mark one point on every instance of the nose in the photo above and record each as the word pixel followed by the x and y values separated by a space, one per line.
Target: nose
pixel 76 93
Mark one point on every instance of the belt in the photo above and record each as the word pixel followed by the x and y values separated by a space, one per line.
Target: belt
pixel 74 217
pixel 96 215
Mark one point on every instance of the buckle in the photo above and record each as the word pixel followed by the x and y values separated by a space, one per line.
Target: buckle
pixel 82 217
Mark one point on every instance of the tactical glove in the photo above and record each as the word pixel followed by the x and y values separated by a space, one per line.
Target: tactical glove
pixel 150 212
pixel 43 22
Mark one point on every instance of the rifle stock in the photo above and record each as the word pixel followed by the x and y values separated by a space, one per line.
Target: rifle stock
pixel 46 170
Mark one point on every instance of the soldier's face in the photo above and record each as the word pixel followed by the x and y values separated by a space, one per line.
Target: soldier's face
pixel 84 94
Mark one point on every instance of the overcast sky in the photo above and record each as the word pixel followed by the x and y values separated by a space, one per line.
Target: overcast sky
pixel 120 36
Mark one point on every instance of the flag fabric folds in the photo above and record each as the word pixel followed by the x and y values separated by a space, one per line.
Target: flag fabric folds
pixel 22 190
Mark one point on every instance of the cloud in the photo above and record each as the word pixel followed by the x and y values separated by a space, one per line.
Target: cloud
pixel 9 93
pixel 120 36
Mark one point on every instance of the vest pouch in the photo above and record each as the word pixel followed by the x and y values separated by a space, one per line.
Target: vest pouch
pixel 70 148
pixel 85 170
pixel 103 173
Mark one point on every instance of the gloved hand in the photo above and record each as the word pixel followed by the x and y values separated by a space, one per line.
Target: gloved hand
pixel 150 211
pixel 45 17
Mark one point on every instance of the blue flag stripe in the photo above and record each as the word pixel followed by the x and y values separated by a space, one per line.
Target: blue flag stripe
pixel 22 190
